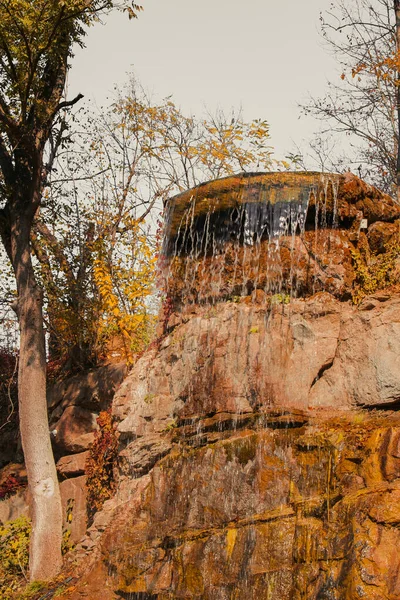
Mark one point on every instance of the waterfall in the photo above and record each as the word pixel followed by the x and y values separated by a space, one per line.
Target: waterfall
pixel 227 238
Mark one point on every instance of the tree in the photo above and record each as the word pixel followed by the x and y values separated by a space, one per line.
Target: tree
pixel 36 41
pixel 364 102
pixel 107 192
pixel 396 6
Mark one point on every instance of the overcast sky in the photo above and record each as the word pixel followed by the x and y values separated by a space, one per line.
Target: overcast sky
pixel 263 55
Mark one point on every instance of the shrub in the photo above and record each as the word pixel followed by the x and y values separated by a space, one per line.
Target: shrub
pixel 375 272
pixel 14 555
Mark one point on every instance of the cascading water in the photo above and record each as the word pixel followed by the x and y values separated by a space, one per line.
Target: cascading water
pixel 230 237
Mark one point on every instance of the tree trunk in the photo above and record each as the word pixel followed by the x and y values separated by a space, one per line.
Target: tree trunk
pixel 397 15
pixel 45 551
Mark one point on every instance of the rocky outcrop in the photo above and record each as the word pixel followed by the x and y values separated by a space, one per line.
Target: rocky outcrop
pixel 259 437
pixel 239 357
pixel 297 233
pixel 251 462
pixel 306 511
pixel 260 434
pixel 75 403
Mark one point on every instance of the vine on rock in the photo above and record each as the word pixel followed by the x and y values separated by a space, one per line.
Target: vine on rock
pixel 101 484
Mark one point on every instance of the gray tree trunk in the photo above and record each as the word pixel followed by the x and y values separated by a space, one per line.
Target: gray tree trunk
pixel 46 540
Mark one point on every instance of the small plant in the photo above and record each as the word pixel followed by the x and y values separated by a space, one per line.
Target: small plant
pixel 280 299
pixel 33 589
pixel 10 486
pixel 67 545
pixel 172 425
pixel 148 399
pixel 101 484
pixel 374 272
pixel 14 555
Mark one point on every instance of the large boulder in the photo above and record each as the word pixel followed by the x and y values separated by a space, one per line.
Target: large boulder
pixel 297 233
pixel 239 357
pixel 75 403
pixel 259 435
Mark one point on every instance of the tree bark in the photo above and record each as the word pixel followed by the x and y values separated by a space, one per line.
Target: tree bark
pixel 46 539
pixel 397 15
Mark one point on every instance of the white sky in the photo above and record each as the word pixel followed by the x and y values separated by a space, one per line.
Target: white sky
pixel 263 55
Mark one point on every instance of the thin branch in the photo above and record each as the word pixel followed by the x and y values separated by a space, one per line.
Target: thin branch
pixel 67 104
pixel 85 178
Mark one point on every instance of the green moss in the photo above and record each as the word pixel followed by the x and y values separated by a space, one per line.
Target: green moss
pixel 148 399
pixel 32 589
pixel 171 425
pixel 236 189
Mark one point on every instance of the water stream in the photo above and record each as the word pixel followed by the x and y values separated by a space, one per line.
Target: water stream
pixel 220 245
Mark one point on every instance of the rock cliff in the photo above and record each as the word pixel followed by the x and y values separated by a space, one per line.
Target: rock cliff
pixel 252 464
pixel 260 436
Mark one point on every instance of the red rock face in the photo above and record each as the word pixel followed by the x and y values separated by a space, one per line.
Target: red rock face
pixel 252 465
pixel 260 439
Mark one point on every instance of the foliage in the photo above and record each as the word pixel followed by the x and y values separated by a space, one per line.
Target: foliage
pixel 36 42
pixel 100 465
pixel 362 102
pixel 97 264
pixel 279 299
pixel 167 151
pixel 67 544
pixel 102 292
pixel 124 277
pixel 14 554
pixel 375 272
pixel 10 486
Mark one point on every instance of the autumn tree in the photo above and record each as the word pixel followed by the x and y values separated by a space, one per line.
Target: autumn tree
pixel 108 193
pixel 363 103
pixel 36 41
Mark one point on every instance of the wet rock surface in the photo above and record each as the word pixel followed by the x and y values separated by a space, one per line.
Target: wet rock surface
pixel 260 434
pixel 296 233
pixel 252 467
pixel 238 357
